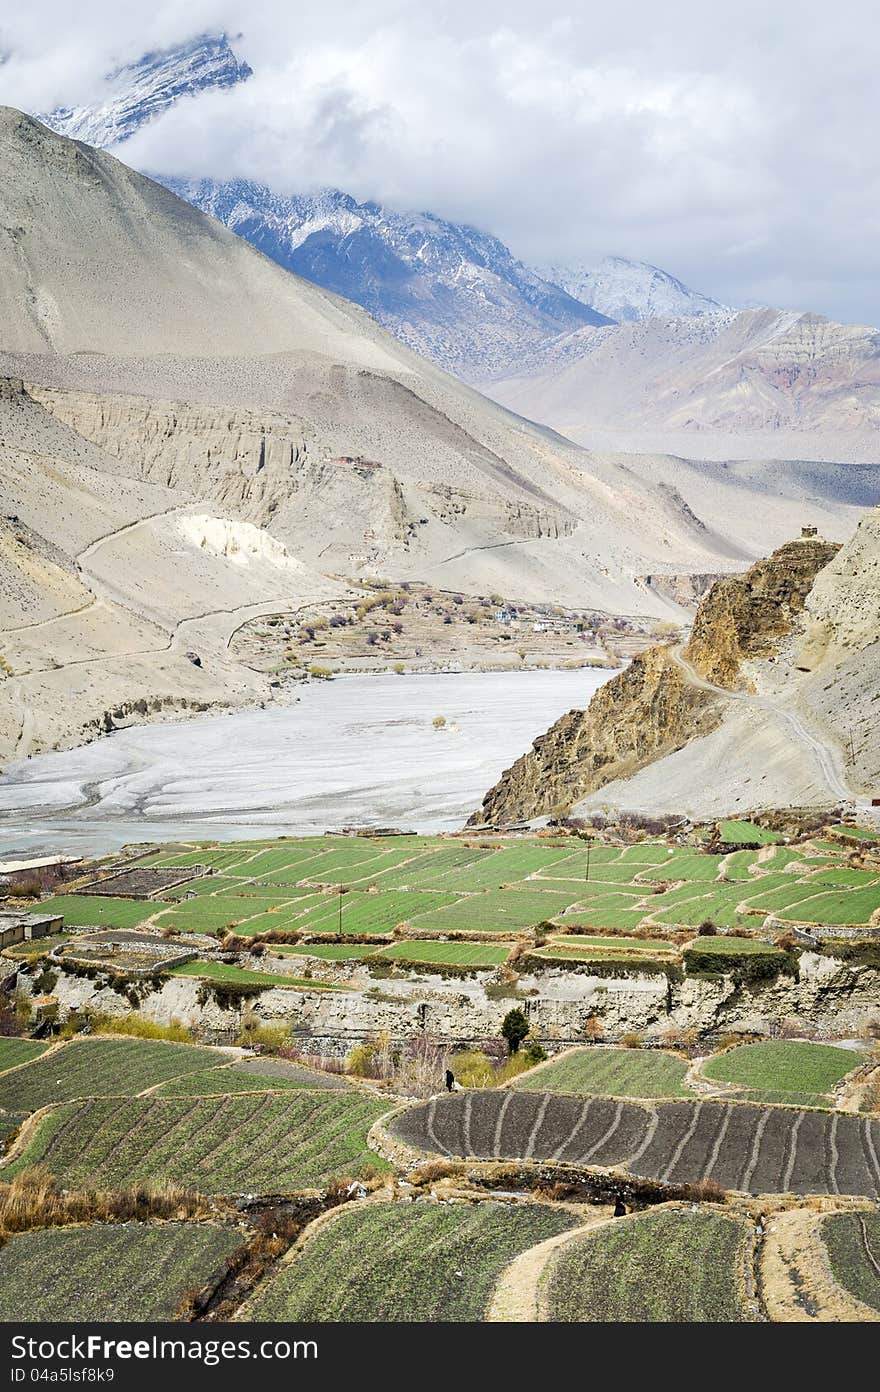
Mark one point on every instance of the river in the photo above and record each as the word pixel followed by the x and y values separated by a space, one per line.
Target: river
pixel 359 750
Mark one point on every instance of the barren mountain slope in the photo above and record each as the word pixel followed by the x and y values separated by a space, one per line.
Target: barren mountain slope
pixel 677 731
pixel 759 370
pixel 811 735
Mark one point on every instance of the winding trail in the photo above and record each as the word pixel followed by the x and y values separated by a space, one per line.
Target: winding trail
pixel 516 1297
pixel 820 753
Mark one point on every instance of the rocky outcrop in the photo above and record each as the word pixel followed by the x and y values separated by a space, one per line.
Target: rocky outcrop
pixel 746 616
pixel 640 715
pixel 653 707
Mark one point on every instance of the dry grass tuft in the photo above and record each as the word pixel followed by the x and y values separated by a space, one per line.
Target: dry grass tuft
pixel 34 1200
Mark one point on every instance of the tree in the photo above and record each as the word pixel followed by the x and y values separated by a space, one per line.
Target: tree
pixel 514 1028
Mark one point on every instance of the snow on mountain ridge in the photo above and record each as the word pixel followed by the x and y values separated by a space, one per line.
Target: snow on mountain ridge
pixel 450 291
pixel 138 92
pixel 624 290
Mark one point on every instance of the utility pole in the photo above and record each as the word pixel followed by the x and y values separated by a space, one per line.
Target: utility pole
pixel 340 910
pixel 589 842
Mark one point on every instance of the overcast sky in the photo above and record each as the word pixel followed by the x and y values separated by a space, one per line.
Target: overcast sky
pixel 735 145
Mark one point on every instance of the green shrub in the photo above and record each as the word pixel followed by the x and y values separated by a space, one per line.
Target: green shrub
pixel 514 1028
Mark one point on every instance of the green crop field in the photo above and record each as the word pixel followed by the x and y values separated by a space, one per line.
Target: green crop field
pixel 260 1143
pixel 854 906
pixel 216 1082
pixel 645 853
pixel 749 832
pixel 405 1262
pixel 577 942
pixel 15 1051
pixel 496 911
pixel 738 865
pixel 91 911
pixel 622 920
pixel 784 1066
pixel 736 947
pixel 371 913
pixel 858 833
pixel 431 872
pixel 227 971
pixel 778 899
pixel 208 914
pixel 99 1068
pixel 666 1266
pixel 600 1071
pixel 845 875
pixel 110 1271
pixel 227 859
pixel 388 868
pixel 597 901
pixel 852 1241
pixel 719 908
pixel 683 865
pixel 498 868
pixel 463 954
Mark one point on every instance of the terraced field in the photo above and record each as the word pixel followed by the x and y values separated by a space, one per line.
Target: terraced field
pixel 460 954
pixel 405 1262
pixel 218 1082
pixel 667 1266
pixel 610 1072
pixel 262 1143
pixel 100 1068
pixel 226 971
pixel 743 1147
pixel 109 1271
pixel 371 913
pixel 496 912
pixel 326 952
pixel 749 832
pixel 91 911
pixel 794 1070
pixel 15 1051
pixel 465 888
pixel 852 1241
pixel 584 943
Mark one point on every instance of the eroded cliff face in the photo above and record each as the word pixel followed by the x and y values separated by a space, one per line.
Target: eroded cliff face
pixel 640 715
pixel 828 994
pixel 652 708
pixel 746 616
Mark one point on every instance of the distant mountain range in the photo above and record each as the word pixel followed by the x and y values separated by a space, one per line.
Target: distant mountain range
pixel 620 346
pixel 450 291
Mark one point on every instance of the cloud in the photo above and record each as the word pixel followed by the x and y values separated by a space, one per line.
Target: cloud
pixel 736 148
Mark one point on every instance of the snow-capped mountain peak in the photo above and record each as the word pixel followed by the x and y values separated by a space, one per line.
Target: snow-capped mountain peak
pixel 450 291
pixel 137 93
pixel 624 290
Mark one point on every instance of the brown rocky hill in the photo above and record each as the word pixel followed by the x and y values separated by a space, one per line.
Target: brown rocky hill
pixel 663 700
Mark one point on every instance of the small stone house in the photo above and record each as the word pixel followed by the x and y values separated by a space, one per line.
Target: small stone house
pixel 18 927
